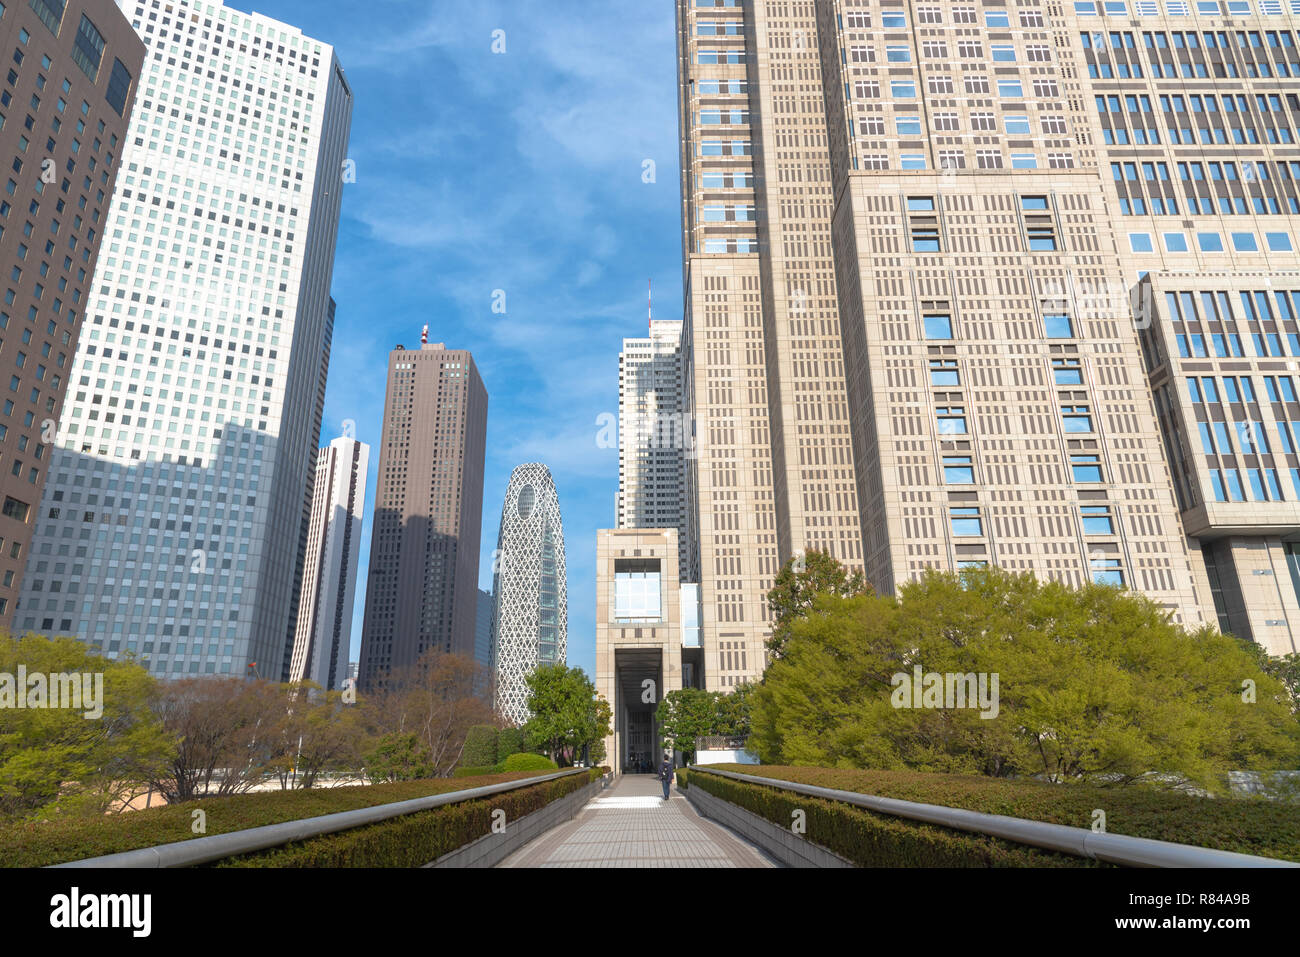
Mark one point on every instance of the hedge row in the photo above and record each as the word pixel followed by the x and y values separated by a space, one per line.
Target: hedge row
pixel 876 840
pixel 522 761
pixel 414 840
pixel 40 843
pixel 1244 825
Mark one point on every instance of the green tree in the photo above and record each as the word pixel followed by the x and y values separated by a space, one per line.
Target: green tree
pixel 567 714
pixel 481 747
pixel 398 757
pixel 802 579
pixel 1094 684
pixel 56 760
pixel 686 715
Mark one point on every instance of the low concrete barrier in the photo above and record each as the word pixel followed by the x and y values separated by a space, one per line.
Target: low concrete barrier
pixel 1080 842
pixel 780 843
pixel 492 849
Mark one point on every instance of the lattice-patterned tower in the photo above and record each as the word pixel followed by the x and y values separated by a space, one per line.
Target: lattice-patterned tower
pixel 532 611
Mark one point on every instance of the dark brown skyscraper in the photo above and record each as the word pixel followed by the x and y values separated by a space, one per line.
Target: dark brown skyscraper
pixel 422 592
pixel 65 100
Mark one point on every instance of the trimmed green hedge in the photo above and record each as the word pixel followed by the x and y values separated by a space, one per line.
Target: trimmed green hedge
pixel 413 840
pixel 1244 825
pixel 480 749
pixel 510 741
pixel 528 762
pixel 876 840
pixel 38 844
pixel 473 772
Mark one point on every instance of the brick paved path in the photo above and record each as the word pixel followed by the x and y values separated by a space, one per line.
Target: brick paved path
pixel 630 825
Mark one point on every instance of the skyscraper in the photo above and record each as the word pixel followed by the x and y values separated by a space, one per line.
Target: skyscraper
pixel 483 629
pixel 957 277
pixel 531 623
pixel 174 519
pixel 422 592
pixel 654 435
pixel 323 638
pixel 73 75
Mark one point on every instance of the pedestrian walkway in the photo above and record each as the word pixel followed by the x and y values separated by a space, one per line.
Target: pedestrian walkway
pixel 630 825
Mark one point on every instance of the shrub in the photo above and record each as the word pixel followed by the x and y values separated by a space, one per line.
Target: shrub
pixel 474 772
pixel 413 839
pixel 528 762
pixel 480 747
pixel 39 844
pixel 1241 825
pixel 510 741
pixel 877 840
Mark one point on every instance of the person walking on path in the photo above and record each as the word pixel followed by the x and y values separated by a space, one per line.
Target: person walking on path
pixel 666 773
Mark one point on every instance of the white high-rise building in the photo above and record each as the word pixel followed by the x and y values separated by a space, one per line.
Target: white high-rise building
pixel 174 519
pixel 531 621
pixel 654 435
pixel 329 582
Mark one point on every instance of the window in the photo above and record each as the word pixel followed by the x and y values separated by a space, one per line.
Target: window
pixel 925 239
pixel 944 372
pixel 1067 372
pixel 938 327
pixel 903 89
pixel 1175 242
pixel 1010 88
pixel 1058 325
pixel 637 591
pixel 1024 161
pixel 1031 203
pixel 1097 520
pixel 908 126
pixel 1139 242
pixel 893 20
pixel 1210 242
pixel 1077 418
pixel 966 522
pixel 958 470
pixel 88 48
pixel 951 419
pixel 898 54
pixel 119 87
pixel 1106 571
pixel 15 509
pixel 911 161
pixel 1004 53
pixel 1086 468
pixel 1278 242
pixel 50 12
pixel 1244 242
pixel 996 18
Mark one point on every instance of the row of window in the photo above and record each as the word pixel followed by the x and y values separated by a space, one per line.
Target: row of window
pixel 1085 469
pixel 1211 242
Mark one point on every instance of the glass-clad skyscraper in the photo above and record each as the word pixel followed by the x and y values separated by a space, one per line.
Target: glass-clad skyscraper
pixel 532 611
pixel 174 521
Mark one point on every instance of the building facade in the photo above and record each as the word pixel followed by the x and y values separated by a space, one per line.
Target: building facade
pixel 655 436
pixel 1052 251
pixel 647 638
pixel 323 638
pixel 422 591
pixel 175 517
pixel 531 619
pixel 773 470
pixel 483 629
pixel 73 71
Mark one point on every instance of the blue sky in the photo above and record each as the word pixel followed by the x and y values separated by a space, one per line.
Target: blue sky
pixel 522 172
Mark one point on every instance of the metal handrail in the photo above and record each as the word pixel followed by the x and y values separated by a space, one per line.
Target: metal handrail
pixel 204 850
pixel 1081 842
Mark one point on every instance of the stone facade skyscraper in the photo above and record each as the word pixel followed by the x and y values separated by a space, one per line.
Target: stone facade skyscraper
pixel 74 71
pixel 173 523
pixel 531 622
pixel 988 284
pixel 422 592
